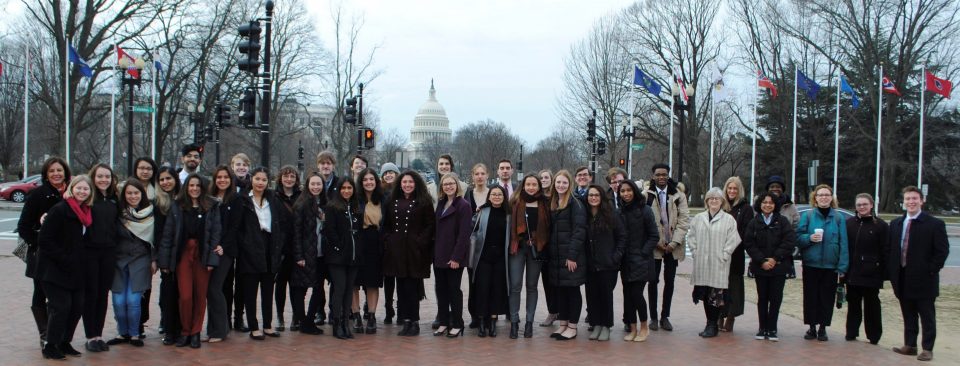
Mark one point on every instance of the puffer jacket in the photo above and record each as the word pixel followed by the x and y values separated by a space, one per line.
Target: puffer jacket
pixel 568 232
pixel 868 240
pixel 637 263
pixel 776 241
pixel 605 246
pixel 340 240
pixel 831 252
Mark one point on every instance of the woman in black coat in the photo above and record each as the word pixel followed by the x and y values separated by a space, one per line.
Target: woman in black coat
pixel 309 266
pixel 288 189
pixel 222 189
pixel 606 241
pixel 769 240
pixel 168 185
pixel 60 268
pixel 55 175
pixel 370 274
pixel 99 257
pixel 342 254
pixel 566 258
pixel 867 240
pixel 740 208
pixel 488 260
pixel 261 239
pixel 408 234
pixel 637 265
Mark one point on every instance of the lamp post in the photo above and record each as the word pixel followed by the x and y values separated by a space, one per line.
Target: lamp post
pixel 130 81
pixel 681 118
pixel 196 118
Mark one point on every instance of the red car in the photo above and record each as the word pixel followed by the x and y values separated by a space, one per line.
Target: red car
pixel 17 191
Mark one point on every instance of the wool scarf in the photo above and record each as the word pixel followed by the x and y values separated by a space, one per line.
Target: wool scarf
pixel 542 236
pixel 140 223
pixel 82 211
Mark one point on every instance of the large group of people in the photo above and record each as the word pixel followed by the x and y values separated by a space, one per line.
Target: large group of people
pixel 222 241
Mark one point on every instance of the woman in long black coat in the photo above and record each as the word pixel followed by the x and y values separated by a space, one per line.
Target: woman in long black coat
pixel 222 189
pixel 770 240
pixel 342 252
pixel 739 207
pixel 370 274
pixel 309 265
pixel 168 185
pixel 288 189
pixel 488 260
pixel 99 256
pixel 606 241
pixel 566 258
pixel 867 240
pixel 55 175
pixel 637 266
pixel 408 253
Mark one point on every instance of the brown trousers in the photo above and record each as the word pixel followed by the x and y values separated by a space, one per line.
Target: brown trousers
pixel 192 281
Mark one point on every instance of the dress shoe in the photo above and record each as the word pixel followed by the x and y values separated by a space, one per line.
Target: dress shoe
pixel 92 346
pixel 118 340
pixel 390 313
pixel 849 338
pixel 195 341
pixel 925 356
pixel 239 326
pixel 514 329
pixel 68 349
pixel 665 324
pixel 321 319
pixel 710 330
pixel 528 330
pixel 169 339
pixel 371 324
pixel 906 350
pixel 281 327
pixel 414 329
pixel 256 337
pixel 271 334
pixel 51 352
pixel 474 323
pixel 566 335
pixel 136 342
pixel 406 328
pixel 309 328
pixel 184 341
pixel 295 326
pixel 654 324
pixel 345 328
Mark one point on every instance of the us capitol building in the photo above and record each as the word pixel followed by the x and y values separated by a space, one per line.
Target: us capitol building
pixel 431 127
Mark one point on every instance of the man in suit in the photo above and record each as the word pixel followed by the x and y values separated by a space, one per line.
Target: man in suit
pixel 583 179
pixel 327 167
pixel 670 210
pixel 505 176
pixel 615 175
pixel 917 248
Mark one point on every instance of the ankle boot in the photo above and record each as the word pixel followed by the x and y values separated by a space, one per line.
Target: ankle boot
pixel 414 329
pixel 492 331
pixel 51 352
pixel 337 330
pixel 40 317
pixel 514 329
pixel 528 330
pixel 482 327
pixel 371 323
pixel 390 313
pixel 406 328
pixel 357 323
pixel 345 328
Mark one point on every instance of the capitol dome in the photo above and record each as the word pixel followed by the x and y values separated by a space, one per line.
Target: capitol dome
pixel 431 124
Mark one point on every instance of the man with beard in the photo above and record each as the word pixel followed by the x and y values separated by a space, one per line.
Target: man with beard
pixel 191 155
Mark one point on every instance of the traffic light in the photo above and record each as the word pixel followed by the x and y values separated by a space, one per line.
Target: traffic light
pixel 223 115
pixel 248 108
pixel 601 146
pixel 591 129
pixel 250 46
pixel 300 153
pixel 208 132
pixel 350 111
pixel 368 139
pixel 623 162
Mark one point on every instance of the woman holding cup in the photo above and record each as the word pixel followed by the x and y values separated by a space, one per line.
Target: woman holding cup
pixel 822 238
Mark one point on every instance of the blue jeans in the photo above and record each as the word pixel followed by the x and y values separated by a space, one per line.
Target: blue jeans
pixel 126 308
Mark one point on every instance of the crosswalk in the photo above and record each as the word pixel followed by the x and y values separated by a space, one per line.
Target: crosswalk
pixel 8 235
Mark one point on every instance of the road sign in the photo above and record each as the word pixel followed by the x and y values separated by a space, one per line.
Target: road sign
pixel 143 109
pixel 638 147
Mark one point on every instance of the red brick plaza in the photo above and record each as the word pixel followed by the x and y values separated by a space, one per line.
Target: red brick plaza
pixel 19 345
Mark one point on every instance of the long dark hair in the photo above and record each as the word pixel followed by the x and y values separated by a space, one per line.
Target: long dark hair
pixel 228 194
pixel 419 194
pixel 153 165
pixel 135 183
pixel 506 202
pixel 111 190
pixel 308 200
pixel 338 203
pixel 377 195
pixel 173 173
pixel 186 202
pixel 520 191
pixel 46 166
pixel 603 219
pixel 637 193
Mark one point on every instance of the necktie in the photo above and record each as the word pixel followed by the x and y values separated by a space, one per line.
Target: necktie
pixel 906 243
pixel 664 216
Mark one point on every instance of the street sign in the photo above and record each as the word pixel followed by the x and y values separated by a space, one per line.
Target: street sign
pixel 143 109
pixel 638 147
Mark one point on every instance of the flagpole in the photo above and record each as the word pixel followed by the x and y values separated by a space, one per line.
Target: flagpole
pixel 923 74
pixel 113 122
pixel 633 112
pixel 153 115
pixel 66 93
pixel 753 148
pixel 26 110
pixel 793 160
pixel 672 101
pixel 713 119
pixel 876 184
pixel 836 138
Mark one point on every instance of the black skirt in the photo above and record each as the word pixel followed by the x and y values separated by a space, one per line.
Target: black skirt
pixel 370 274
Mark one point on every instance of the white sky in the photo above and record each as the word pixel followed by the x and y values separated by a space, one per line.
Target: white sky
pixel 497 59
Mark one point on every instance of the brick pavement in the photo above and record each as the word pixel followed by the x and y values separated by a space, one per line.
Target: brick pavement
pixel 680 347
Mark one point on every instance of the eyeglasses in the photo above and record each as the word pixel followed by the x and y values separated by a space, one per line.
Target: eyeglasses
pixel 593 195
pixel 824 195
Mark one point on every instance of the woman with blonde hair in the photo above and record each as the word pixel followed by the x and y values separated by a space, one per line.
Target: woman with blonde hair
pixel 740 208
pixel 566 265
pixel 822 238
pixel 477 194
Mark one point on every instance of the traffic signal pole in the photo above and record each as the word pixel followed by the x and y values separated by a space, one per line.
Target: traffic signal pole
pixel 267 83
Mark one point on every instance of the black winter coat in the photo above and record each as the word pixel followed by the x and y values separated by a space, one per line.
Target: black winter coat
pixel 254 248
pixel 340 240
pixel 605 246
pixel 231 214
pixel 776 241
pixel 867 239
pixel 174 238
pixel 926 254
pixel 568 235
pixel 408 237
pixel 106 223
pixel 305 240
pixel 60 243
pixel 38 202
pixel 743 213
pixel 637 263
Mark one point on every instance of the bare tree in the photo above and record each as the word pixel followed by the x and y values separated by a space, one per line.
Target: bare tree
pixel 472 144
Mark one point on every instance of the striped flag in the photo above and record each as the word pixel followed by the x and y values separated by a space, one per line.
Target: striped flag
pixel 888 87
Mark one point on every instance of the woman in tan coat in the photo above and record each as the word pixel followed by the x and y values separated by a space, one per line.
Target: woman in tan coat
pixel 712 238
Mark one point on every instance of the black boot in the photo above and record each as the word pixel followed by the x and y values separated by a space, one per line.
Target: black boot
pixel 482 328
pixel 710 330
pixel 371 323
pixel 239 326
pixel 183 341
pixel 51 352
pixel 345 328
pixel 68 349
pixel 406 328
pixel 40 316
pixel 337 332
pixel 414 329
pixel 357 323
pixel 195 341
pixel 492 332
pixel 528 330
pixel 295 326
pixel 390 312
pixel 514 329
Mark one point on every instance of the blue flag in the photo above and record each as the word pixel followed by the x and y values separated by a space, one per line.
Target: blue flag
pixel 641 79
pixel 84 66
pixel 159 67
pixel 846 88
pixel 806 84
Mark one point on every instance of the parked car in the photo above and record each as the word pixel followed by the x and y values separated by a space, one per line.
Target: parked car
pixel 17 191
pixel 803 207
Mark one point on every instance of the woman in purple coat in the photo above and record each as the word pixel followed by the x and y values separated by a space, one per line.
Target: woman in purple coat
pixel 454 218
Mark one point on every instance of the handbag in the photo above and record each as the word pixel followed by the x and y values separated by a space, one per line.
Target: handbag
pixel 534 253
pixel 473 239
pixel 21 250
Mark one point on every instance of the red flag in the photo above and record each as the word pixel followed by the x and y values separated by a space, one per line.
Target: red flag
pixel 121 54
pixel 888 87
pixel 1 69
pixel 764 82
pixel 683 90
pixel 938 85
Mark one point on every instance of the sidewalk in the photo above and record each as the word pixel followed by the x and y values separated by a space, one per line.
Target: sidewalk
pixel 680 347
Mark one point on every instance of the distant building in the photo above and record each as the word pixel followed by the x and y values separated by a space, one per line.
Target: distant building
pixel 430 128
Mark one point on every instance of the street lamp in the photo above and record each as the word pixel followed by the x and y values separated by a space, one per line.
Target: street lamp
pixel 196 118
pixel 679 109
pixel 130 81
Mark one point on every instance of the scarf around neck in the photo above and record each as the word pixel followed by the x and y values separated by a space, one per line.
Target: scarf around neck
pixel 82 211
pixel 140 223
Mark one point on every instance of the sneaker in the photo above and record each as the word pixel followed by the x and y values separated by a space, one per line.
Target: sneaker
pixel 772 336
pixel 761 335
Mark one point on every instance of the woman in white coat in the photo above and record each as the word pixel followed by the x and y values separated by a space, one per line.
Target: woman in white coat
pixel 712 238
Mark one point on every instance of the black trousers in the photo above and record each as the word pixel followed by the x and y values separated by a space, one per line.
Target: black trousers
pixel 63 310
pixel 634 303
pixel 99 264
pixel 569 303
pixel 218 315
pixel 864 304
pixel 669 266
pixel 298 297
pixel 318 299
pixel 408 298
pixel 599 289
pixel 449 296
pixel 169 303
pixel 471 298
pixel 769 299
pixel 341 286
pixel 389 288
pixel 263 282
pixel 233 292
pixel 549 292
pixel 489 289
pixel 144 308
pixel 819 295
pixel 283 279
pixel 915 312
